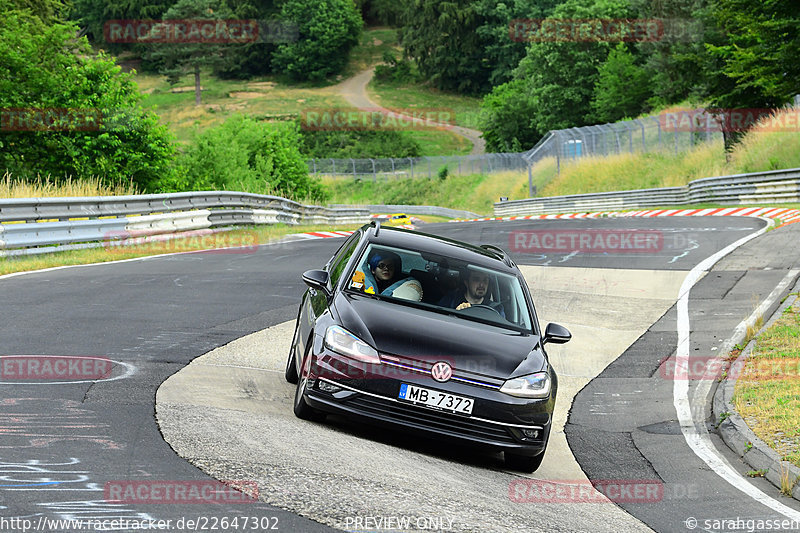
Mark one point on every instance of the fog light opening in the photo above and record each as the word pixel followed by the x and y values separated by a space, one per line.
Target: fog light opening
pixel 530 433
pixel 325 386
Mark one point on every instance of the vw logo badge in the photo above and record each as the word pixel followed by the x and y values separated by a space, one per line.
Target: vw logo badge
pixel 441 372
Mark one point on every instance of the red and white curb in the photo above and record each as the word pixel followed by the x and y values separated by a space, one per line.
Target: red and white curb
pixel 322 234
pixel 785 215
pixel 343 233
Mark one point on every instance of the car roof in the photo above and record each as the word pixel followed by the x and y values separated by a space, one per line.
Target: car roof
pixel 425 242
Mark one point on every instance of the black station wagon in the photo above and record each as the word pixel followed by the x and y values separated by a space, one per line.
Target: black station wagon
pixel 428 335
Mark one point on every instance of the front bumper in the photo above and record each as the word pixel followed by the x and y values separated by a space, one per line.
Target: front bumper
pixel 499 422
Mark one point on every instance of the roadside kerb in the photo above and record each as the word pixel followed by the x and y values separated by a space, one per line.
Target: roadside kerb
pixel 734 430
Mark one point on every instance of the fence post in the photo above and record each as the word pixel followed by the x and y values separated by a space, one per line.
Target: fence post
pixel 354 168
pixel 412 167
pixel 374 175
pixel 641 124
pixel 676 141
pixel 333 161
pixel 530 181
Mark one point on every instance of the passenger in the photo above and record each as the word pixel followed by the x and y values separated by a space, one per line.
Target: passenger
pixel 387 268
pixel 475 292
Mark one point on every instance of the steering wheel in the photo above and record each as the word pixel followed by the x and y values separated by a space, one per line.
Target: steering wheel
pixel 483 306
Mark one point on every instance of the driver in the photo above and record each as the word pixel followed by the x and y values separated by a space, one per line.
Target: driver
pixel 475 292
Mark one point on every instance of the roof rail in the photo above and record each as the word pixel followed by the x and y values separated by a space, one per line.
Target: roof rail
pixel 492 248
pixel 376 224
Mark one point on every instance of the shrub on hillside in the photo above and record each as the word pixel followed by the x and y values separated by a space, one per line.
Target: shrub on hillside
pixel 358 144
pixel 246 155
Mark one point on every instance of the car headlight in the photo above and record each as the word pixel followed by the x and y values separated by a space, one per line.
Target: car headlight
pixel 342 341
pixel 531 386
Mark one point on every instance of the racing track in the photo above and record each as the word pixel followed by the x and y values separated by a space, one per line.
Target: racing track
pixel 61 443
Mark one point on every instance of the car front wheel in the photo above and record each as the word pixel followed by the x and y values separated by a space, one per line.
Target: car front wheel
pixel 291 365
pixel 301 408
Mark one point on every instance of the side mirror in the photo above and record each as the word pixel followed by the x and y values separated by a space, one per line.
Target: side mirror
pixel 318 280
pixel 556 333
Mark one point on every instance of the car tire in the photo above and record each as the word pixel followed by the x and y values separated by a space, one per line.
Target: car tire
pixel 291 365
pixel 301 408
pixel 523 463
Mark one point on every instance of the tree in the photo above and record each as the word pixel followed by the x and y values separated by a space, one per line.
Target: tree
pixel 254 58
pixel 181 58
pixel 506 118
pixel 327 31
pixel 764 46
pixel 465 46
pixel 557 77
pixel 76 113
pixel 621 89
pixel 674 62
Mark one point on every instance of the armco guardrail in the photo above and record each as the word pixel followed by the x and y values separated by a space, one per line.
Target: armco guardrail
pixel 740 189
pixel 26 224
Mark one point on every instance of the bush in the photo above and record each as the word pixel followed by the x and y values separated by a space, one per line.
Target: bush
pixel 245 155
pixel 358 144
pixel 396 70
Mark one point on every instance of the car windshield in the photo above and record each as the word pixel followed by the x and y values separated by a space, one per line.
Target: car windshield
pixel 442 284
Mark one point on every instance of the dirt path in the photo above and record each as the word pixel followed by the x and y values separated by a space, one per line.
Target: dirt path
pixel 354 90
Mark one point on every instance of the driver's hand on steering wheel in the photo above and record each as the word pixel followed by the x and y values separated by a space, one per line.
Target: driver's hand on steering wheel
pixel 463 306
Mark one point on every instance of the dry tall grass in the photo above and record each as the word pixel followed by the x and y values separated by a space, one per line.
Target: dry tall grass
pixel 46 188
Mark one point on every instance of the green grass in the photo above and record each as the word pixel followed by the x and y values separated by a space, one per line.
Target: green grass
pixel 456 192
pixel 767 394
pixel 262 97
pixel 402 96
pixel 438 142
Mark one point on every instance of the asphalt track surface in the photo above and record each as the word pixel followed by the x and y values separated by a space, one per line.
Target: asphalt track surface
pixel 61 443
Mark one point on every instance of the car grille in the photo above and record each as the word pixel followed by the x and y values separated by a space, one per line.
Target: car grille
pixel 467 427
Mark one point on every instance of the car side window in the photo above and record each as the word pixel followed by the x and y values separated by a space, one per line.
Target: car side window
pixel 340 260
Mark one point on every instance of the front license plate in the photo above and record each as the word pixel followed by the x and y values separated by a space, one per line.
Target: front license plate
pixel 436 399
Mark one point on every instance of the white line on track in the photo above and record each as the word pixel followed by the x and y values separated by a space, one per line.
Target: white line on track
pixel 696 434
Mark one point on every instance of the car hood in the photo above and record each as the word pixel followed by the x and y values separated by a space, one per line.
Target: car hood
pixel 423 335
